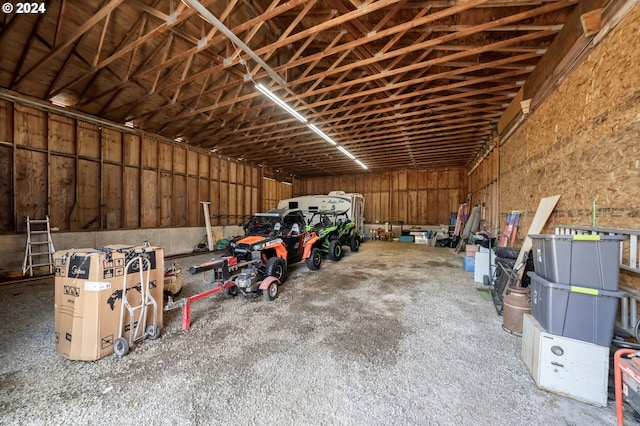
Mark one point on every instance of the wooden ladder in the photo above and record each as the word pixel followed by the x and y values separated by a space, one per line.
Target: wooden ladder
pixel 39 246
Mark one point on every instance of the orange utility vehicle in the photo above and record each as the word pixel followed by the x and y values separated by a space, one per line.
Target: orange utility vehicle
pixel 276 239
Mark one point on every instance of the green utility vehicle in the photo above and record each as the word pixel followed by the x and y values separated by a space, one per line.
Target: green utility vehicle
pixel 330 231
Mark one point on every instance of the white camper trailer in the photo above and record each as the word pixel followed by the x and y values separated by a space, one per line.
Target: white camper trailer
pixel 336 200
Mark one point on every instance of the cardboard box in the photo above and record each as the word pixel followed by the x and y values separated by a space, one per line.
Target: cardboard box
pixel 89 284
pixel 173 280
pixel 472 249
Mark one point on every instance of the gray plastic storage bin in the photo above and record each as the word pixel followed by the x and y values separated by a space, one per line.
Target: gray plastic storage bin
pixel 580 313
pixel 584 260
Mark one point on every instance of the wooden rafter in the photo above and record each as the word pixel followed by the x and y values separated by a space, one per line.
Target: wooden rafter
pixel 399 83
pixel 458 55
pixel 97 17
pixel 181 16
pixel 26 50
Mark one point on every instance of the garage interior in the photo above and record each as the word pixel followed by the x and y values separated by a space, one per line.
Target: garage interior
pixel 122 120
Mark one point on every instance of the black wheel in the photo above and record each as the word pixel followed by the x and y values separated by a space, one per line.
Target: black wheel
pixel 335 250
pixel 153 332
pixel 354 244
pixel 313 262
pixel 270 293
pixel 506 252
pixel 486 280
pixel 121 346
pixel 506 262
pixel 232 291
pixel 275 268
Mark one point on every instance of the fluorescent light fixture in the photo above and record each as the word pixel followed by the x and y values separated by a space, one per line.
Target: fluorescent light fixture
pixel 59 104
pixel 280 102
pixel 359 163
pixel 321 134
pixel 347 153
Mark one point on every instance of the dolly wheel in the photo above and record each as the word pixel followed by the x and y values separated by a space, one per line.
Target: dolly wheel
pixel 271 293
pixel 335 250
pixel 314 261
pixel 153 332
pixel 121 346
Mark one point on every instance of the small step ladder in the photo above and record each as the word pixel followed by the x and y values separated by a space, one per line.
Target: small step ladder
pixel 39 250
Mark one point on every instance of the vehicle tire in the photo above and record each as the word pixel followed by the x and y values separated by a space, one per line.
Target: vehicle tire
pixel 275 268
pixel 270 293
pixel 506 262
pixel 121 346
pixel 232 291
pixel 506 252
pixel 354 244
pixel 314 261
pixel 335 250
pixel 153 332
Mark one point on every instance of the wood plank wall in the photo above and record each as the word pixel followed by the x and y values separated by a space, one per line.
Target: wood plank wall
pixel 420 197
pixel 94 176
pixel 274 191
pixel 582 142
pixel 483 185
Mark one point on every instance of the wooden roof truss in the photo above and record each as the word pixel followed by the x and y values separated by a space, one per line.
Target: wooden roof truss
pixel 399 83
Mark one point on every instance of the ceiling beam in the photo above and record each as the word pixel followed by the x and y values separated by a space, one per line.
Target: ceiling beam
pixel 86 26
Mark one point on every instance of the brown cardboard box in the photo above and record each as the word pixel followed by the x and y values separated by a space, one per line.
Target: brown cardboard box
pixel 471 249
pixel 89 284
pixel 173 280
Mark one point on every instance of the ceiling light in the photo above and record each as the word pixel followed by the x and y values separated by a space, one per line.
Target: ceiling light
pixel 347 153
pixel 358 162
pixel 64 100
pixel 280 102
pixel 321 134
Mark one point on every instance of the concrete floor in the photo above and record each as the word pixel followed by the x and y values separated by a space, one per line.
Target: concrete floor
pixel 394 334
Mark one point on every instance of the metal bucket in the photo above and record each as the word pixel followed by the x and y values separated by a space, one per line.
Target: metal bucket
pixel 516 303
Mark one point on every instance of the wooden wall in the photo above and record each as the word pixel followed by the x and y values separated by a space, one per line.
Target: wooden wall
pixel 483 185
pixel 274 191
pixel 93 176
pixel 425 197
pixel 582 142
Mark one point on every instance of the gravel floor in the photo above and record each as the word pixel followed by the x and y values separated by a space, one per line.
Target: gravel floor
pixel 395 334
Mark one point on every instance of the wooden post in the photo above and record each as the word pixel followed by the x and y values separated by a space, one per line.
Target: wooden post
pixel 207 221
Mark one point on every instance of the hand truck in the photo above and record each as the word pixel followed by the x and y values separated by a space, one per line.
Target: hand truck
pixel 137 323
